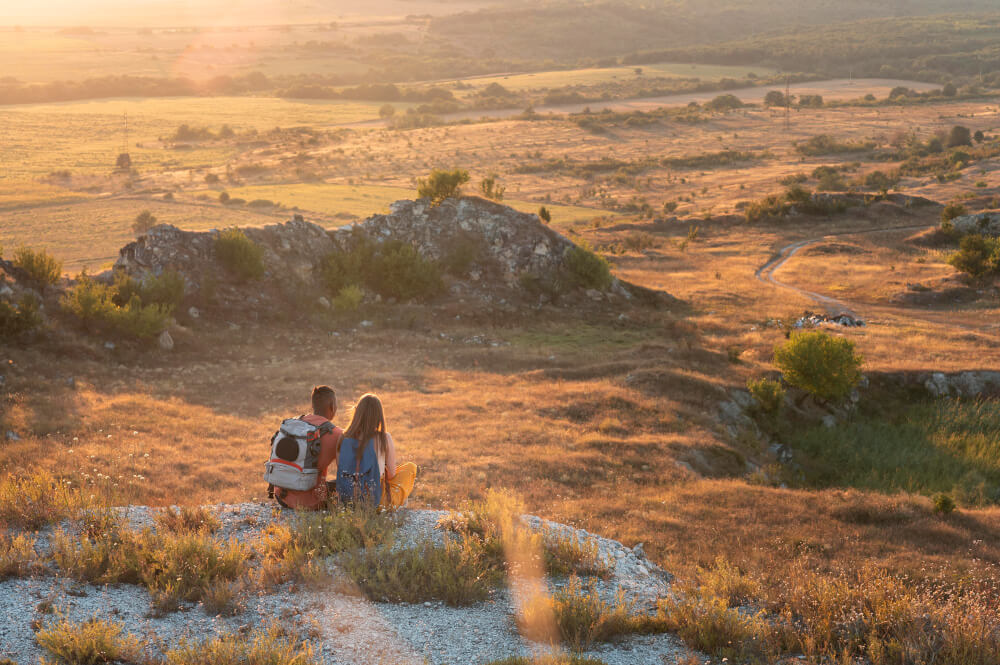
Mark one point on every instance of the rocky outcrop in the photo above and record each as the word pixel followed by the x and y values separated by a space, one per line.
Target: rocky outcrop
pixel 983 223
pixel 499 248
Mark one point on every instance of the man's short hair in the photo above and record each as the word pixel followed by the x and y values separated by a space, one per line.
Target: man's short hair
pixel 322 397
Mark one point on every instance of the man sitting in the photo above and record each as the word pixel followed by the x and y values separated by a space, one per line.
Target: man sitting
pixel 324 405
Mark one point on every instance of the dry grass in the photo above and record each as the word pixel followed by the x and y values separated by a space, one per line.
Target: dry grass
pixel 89 643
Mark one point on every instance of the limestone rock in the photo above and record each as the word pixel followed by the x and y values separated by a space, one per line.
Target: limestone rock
pixel 166 341
pixel 983 223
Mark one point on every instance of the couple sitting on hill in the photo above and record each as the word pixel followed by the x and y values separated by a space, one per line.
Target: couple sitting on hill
pixel 303 448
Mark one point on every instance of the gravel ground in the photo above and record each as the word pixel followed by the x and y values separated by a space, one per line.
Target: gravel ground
pixel 344 630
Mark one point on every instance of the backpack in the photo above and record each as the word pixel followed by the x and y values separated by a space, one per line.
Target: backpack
pixel 294 453
pixel 358 476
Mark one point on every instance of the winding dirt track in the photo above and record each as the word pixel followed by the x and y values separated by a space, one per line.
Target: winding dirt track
pixel 767 273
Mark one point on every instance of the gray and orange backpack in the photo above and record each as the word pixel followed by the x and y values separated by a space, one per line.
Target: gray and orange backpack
pixel 294 455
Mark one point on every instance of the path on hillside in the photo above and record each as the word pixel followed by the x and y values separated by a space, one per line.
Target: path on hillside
pixel 833 306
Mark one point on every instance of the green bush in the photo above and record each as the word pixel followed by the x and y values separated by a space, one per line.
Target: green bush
pixel 977 255
pixel 393 269
pixel 944 504
pixel 166 289
pixel 587 269
pixel 462 251
pixel 441 185
pixel 267 647
pixel 240 255
pixel 825 366
pixel 953 210
pixel 768 393
pixel 19 319
pixel 143 222
pixel 545 215
pixel 42 268
pixel 492 189
pixel 349 298
pixel 959 136
pixel 94 304
pixel 89 643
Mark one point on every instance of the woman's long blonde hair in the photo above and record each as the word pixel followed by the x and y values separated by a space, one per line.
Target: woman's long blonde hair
pixel 368 422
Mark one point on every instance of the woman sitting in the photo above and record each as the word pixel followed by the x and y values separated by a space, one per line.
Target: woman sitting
pixel 366 462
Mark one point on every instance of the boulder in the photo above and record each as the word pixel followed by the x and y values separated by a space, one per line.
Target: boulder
pixel 982 223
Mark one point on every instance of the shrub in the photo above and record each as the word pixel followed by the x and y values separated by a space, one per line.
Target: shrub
pixel 455 573
pixel 166 289
pixel 401 272
pixel 271 646
pixel 462 251
pixel 224 197
pixel 392 269
pixel 545 215
pixel 977 255
pixel 386 111
pixel 953 210
pixel 17 555
pixel 349 298
pixel 441 185
pixel 724 103
pixel 959 136
pixel 186 520
pixel 211 178
pixel 143 222
pixel 587 269
pixel 581 617
pixel 491 189
pixel 94 304
pixel 825 366
pixel 89 643
pixel 880 181
pixel 239 254
pixel 824 144
pixel 42 269
pixel 30 502
pixel 768 393
pixel 943 504
pixel 19 319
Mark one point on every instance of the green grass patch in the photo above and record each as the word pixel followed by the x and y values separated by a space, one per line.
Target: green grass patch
pixel 936 446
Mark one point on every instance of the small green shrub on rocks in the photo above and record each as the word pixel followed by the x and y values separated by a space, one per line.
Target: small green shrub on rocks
pixel 768 393
pixel 944 504
pixel 587 269
pixel 441 185
pixel 349 298
pixel 42 268
pixel 272 646
pixel 393 269
pixel 166 289
pixel 953 210
pixel 825 366
pixel 240 255
pixel 94 304
pixel 89 643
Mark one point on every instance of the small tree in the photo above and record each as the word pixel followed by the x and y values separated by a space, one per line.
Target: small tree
pixel 544 215
pixel 441 185
pixel 387 111
pixel 42 268
pixel 951 211
pixel 977 256
pixel 979 137
pixel 775 98
pixel 949 90
pixel 491 189
pixel 239 254
pixel 959 136
pixel 144 221
pixel 824 366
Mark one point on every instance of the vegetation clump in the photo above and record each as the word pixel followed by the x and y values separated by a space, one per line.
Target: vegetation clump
pixel 977 255
pixel 271 646
pixel 90 642
pixel 19 319
pixel 441 185
pixel 392 269
pixel 41 268
pixel 240 255
pixel 96 305
pixel 768 394
pixel 587 269
pixel 824 144
pixel 825 366
pixel 143 222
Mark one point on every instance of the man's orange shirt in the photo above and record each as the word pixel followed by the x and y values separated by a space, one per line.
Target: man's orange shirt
pixel 328 447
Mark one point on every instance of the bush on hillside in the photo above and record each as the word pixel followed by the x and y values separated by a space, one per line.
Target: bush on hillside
pixel 825 366
pixel 441 185
pixel 166 289
pixel 492 189
pixel 768 393
pixel 977 256
pixel 143 222
pixel 93 303
pixel 42 268
pixel 545 215
pixel 349 298
pixel 20 318
pixel 587 269
pixel 240 255
pixel 951 211
pixel 959 136
pixel 392 269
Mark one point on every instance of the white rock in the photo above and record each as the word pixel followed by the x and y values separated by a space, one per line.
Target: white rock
pixel 166 341
pixel 323 302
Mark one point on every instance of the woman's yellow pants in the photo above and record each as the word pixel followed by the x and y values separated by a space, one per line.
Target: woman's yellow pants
pixel 396 490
